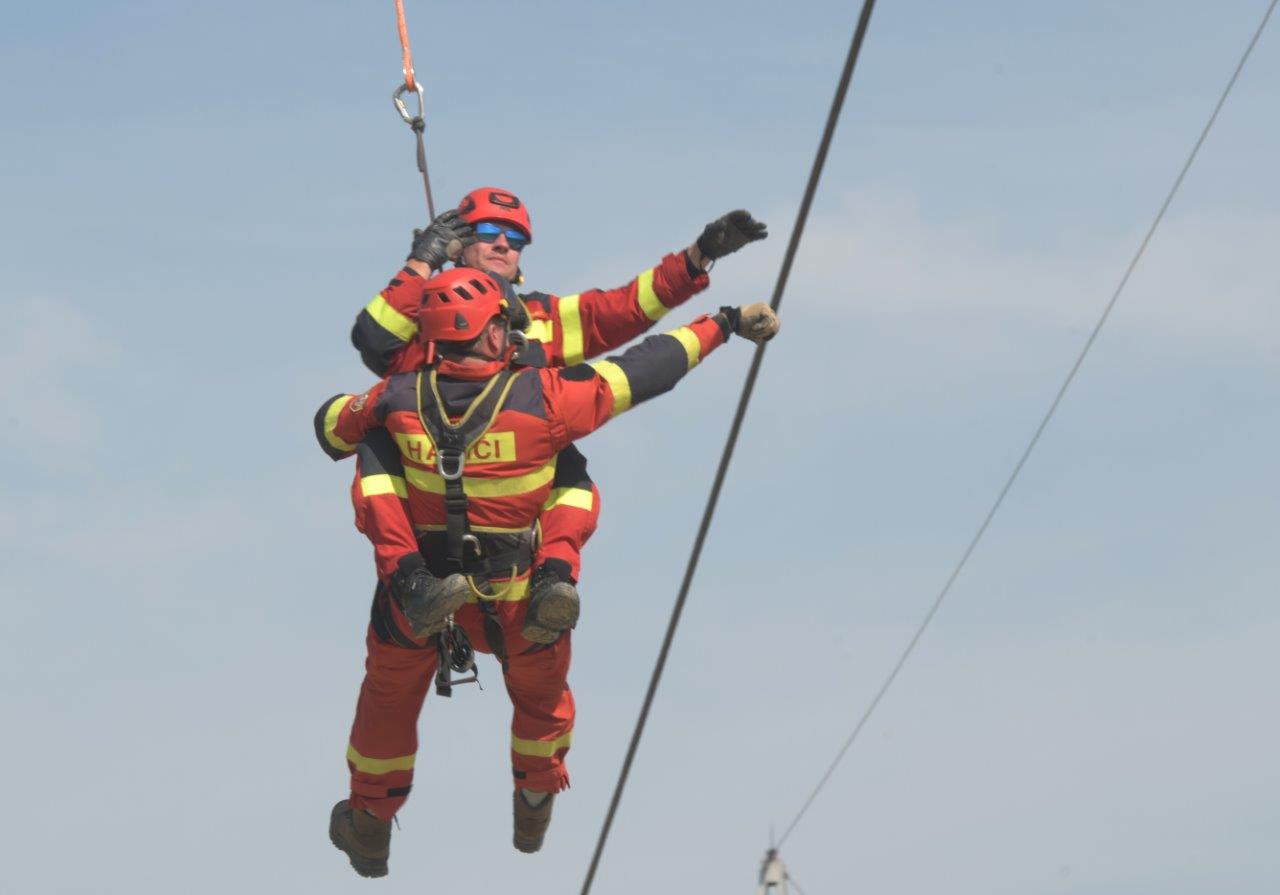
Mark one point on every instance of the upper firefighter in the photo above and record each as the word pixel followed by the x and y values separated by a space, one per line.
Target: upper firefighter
pixel 488 231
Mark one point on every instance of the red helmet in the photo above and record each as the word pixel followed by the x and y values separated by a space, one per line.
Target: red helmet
pixel 457 303
pixel 488 203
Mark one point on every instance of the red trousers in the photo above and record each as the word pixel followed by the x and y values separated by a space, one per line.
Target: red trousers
pixel 384 736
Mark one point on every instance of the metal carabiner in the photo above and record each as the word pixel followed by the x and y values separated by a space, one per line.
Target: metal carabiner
pixel 402 109
pixel 444 473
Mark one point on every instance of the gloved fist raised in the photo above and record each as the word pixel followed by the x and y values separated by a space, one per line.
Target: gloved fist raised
pixel 727 234
pixel 756 322
pixel 443 240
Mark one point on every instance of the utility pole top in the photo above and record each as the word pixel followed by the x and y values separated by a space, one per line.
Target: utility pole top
pixel 773 875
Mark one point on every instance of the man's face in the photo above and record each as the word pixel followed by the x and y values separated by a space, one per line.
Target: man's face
pixel 496 256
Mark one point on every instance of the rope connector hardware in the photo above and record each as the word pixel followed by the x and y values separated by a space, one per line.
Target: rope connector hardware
pixel 414 121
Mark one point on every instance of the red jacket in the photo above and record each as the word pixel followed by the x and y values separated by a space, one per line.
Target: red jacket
pixel 510 474
pixel 562 330
pixel 568 329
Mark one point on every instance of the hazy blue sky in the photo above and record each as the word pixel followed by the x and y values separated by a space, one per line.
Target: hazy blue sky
pixel 197 198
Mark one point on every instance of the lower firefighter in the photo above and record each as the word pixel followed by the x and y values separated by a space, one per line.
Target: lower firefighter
pixel 471 565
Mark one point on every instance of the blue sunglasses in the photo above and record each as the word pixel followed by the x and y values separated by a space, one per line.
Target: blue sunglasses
pixel 488 232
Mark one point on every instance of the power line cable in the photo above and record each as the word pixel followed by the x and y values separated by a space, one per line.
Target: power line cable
pixel 811 188
pixel 1053 407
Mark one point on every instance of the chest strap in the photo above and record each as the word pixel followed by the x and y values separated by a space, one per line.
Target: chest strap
pixel 452 442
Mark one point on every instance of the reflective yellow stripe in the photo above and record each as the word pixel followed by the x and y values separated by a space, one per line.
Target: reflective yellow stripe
pixel 504 591
pixel 373 485
pixel 378 765
pixel 570 497
pixel 400 326
pixel 541 748
pixel 331 420
pixel 432 483
pixel 648 299
pixel 540 331
pixel 617 379
pixel 692 347
pixel 571 330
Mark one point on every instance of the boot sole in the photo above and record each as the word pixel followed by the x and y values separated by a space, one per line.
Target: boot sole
pixel 559 610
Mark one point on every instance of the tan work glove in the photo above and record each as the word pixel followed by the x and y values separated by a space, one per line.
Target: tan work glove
pixel 756 321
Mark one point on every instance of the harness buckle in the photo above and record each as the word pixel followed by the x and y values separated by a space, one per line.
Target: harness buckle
pixel 471 541
pixel 458 458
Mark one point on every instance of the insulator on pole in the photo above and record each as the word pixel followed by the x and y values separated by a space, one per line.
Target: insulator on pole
pixel 773 875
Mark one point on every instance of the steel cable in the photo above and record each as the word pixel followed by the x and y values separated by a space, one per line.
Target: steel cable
pixel 811 187
pixel 1044 422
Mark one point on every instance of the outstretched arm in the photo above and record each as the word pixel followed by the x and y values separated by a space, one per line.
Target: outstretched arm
pixel 590 323
pixel 582 398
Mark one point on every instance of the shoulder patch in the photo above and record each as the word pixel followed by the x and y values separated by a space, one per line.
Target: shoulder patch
pixel 539 299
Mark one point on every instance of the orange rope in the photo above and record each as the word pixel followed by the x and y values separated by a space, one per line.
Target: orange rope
pixel 404 45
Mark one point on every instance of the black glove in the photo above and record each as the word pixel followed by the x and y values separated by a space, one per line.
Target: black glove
pixel 550 572
pixel 727 234
pixel 443 240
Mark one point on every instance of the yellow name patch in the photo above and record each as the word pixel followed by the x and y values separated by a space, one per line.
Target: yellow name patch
pixel 494 447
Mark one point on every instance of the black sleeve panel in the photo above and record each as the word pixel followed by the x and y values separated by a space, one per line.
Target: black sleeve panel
pixel 328 442
pixel 571 470
pixel 377 346
pixel 379 455
pixel 653 367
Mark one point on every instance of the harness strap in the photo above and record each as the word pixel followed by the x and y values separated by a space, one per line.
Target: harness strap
pixel 452 442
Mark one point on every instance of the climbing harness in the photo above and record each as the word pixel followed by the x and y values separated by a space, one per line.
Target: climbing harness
pixel 465 551
pixel 415 121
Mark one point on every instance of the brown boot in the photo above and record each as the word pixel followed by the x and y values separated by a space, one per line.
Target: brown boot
pixel 553 606
pixel 365 839
pixel 531 823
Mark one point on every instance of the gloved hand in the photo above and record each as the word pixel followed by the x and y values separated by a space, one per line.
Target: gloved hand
pixel 553 603
pixel 443 240
pixel 727 234
pixel 756 322
pixel 427 601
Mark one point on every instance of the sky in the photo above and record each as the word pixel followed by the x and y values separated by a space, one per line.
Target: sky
pixel 196 200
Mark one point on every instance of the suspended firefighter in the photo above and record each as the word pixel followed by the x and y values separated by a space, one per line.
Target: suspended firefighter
pixel 477 439
pixel 489 230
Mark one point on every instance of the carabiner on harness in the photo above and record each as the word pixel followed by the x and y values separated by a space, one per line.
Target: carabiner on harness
pixel 454 652
pixel 457 458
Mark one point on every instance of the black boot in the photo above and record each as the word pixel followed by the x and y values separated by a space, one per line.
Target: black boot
pixel 427 601
pixel 365 838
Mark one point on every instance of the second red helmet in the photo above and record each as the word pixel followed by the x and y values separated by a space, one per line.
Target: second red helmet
pixel 489 203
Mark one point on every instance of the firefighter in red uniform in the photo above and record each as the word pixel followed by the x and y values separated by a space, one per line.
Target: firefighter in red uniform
pixel 488 231
pixel 478 439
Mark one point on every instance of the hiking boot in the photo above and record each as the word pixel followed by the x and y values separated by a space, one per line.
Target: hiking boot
pixel 530 822
pixel 427 601
pixel 365 839
pixel 553 606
